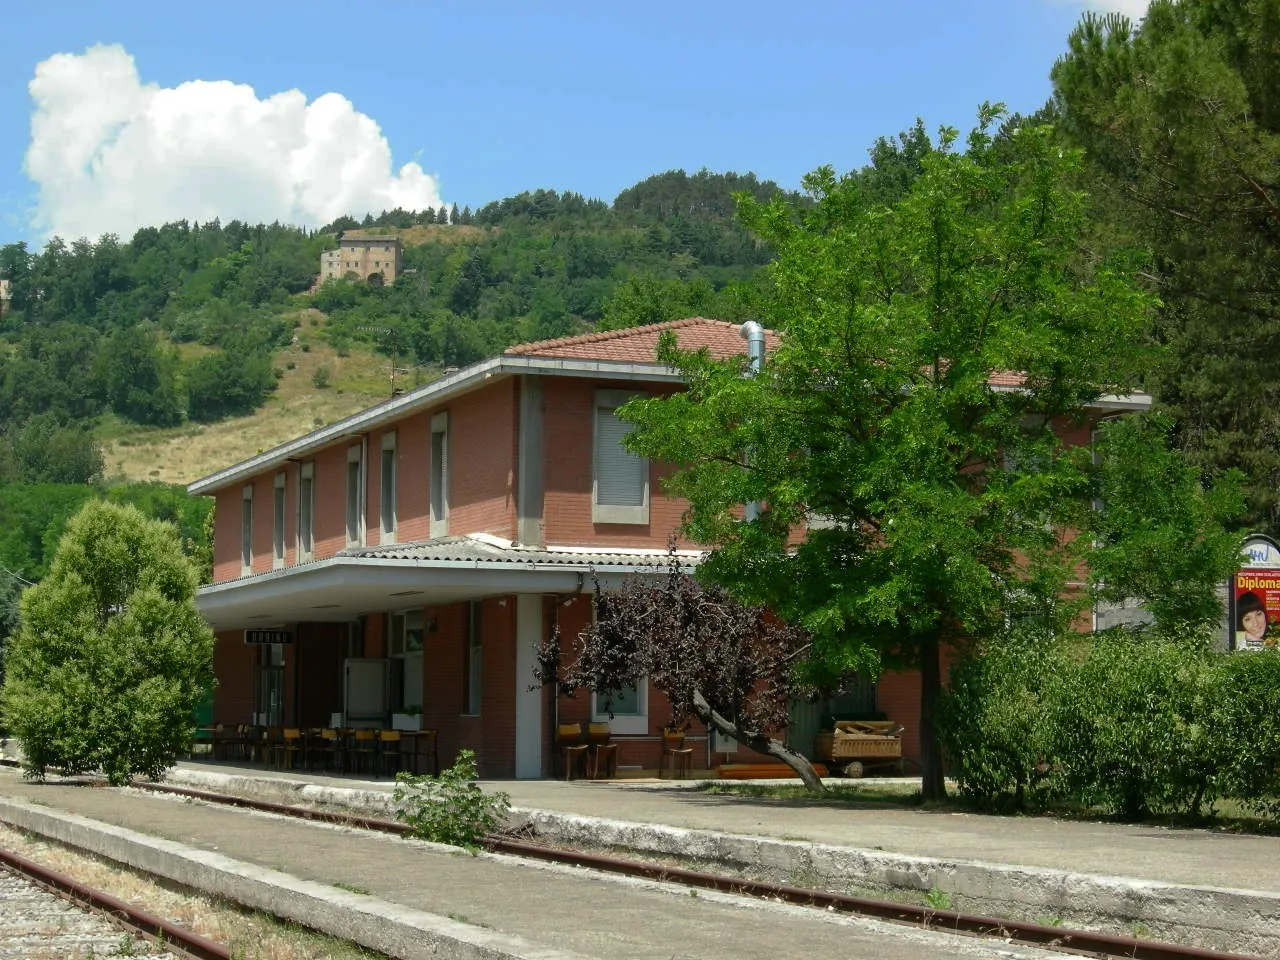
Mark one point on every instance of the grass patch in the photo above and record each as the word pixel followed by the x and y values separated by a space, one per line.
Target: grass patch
pixel 351 888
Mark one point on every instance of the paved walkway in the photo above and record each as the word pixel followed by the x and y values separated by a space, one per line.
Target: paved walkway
pixel 560 913
pixel 1195 857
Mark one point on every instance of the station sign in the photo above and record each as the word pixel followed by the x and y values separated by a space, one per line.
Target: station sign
pixel 257 637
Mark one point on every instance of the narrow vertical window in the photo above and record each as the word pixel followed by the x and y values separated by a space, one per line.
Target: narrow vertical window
pixel 440 475
pixel 246 531
pixel 277 540
pixel 474 658
pixel 306 511
pixel 387 484
pixel 620 491
pixel 355 499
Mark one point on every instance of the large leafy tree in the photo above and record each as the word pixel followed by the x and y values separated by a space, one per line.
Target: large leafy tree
pixel 728 664
pixel 936 353
pixel 1181 120
pixel 112 657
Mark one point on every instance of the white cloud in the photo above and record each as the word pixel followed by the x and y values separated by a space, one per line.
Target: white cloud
pixel 1134 9
pixel 110 154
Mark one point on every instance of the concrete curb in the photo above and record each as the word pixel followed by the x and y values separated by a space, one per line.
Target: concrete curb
pixel 1214 917
pixel 386 927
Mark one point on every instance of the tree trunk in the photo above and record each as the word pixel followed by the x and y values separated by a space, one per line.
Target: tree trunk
pixel 932 784
pixel 759 742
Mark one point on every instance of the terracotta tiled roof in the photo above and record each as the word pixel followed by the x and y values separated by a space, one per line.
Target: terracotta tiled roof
pixel 639 344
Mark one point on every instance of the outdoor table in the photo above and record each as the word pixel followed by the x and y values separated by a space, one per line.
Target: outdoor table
pixel 419 745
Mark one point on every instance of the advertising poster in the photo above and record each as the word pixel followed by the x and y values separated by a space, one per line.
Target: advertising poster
pixel 1255 597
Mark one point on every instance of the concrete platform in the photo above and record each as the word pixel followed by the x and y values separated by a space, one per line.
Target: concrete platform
pixel 423 900
pixel 1189 886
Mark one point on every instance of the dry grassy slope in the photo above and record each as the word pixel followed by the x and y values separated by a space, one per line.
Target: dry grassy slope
pixel 183 454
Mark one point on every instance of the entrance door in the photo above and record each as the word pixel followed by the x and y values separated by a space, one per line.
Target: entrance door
pixel 268 686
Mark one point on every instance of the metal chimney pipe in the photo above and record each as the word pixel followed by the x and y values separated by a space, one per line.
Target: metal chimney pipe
pixel 753 333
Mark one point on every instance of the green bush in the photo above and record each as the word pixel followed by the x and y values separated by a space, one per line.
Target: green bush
pixel 320 378
pixel 1132 725
pixel 1246 727
pixel 994 724
pixel 450 808
pixel 112 657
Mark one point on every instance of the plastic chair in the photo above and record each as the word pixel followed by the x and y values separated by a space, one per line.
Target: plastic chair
pixel 603 753
pixel 570 738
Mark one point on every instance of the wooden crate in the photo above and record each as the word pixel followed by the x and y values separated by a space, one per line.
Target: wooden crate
pixel 865 747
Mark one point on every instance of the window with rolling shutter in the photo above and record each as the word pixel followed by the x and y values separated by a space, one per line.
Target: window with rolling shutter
pixel 439 475
pixel 620 491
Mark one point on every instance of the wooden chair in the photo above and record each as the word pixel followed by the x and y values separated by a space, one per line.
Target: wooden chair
pixel 676 753
pixel 363 749
pixel 288 748
pixel 327 745
pixel 570 738
pixel 603 753
pixel 388 750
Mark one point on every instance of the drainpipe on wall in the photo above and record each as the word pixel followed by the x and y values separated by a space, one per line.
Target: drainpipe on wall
pixel 753 333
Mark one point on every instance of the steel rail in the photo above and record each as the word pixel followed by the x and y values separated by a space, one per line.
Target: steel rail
pixel 952 921
pixel 157 929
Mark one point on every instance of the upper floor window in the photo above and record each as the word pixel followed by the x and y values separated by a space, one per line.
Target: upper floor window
pixel 306 511
pixel 246 531
pixel 355 495
pixel 387 484
pixel 620 491
pixel 277 539
pixel 440 475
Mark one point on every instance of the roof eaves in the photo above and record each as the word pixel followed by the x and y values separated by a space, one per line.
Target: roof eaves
pixel 435 392
pixel 462 380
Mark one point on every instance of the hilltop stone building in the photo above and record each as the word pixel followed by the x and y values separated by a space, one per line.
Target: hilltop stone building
pixel 363 257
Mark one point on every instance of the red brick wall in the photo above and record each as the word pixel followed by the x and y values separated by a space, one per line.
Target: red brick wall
pixel 330 494
pixel 413 475
pixel 233 664
pixel 226 534
pixel 499 681
pixel 569 464
pixel 319 649
pixel 443 664
pixel 482 461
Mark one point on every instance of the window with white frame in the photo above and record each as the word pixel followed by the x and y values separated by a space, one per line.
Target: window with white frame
pixel 246 530
pixel 306 511
pixel 387 486
pixel 408 631
pixel 626 710
pixel 440 475
pixel 277 528
pixel 355 498
pixel 620 488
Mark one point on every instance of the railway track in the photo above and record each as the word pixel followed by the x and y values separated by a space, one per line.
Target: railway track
pixel 1008 931
pixel 49 915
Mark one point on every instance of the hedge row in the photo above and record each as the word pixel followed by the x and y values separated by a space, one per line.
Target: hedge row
pixel 1126 722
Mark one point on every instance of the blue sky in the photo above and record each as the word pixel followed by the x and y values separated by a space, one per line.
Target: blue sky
pixel 482 99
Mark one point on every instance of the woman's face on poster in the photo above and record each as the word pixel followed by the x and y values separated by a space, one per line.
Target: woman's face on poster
pixel 1254 623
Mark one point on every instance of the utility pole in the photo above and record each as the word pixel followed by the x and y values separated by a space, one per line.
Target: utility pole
pixel 393 346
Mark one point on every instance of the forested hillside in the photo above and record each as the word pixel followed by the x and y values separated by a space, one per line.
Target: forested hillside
pixel 97 327
pixel 152 346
